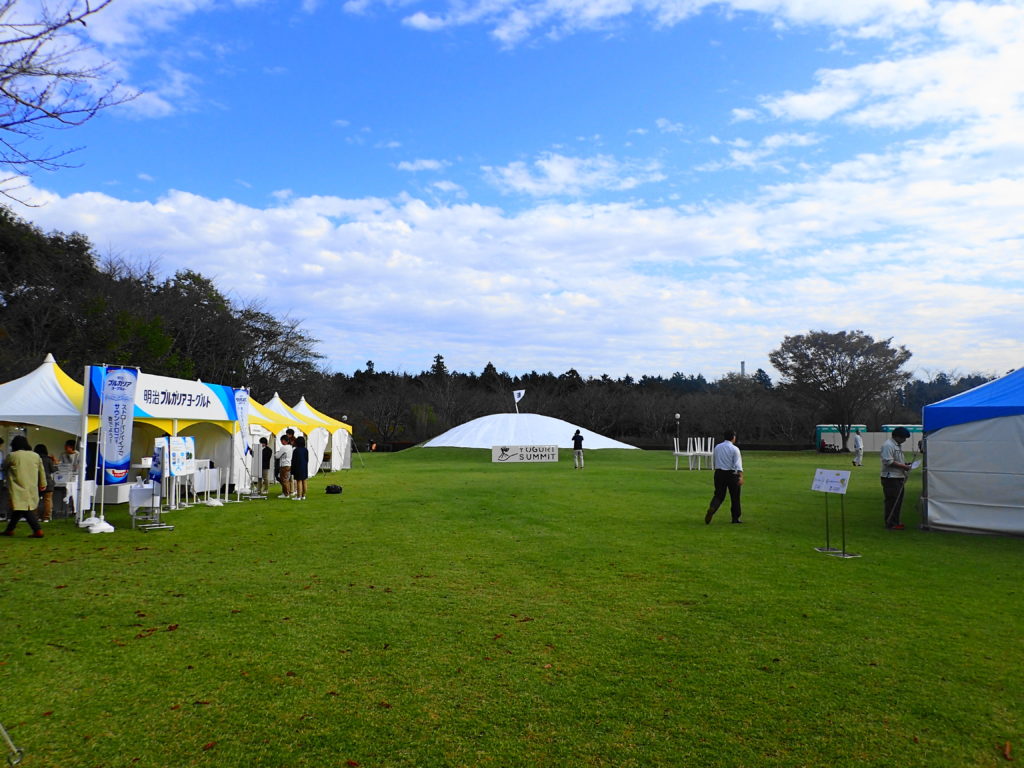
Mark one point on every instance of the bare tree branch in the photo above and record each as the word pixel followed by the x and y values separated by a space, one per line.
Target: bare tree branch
pixel 46 82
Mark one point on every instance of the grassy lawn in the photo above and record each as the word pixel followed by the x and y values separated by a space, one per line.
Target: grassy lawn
pixel 445 611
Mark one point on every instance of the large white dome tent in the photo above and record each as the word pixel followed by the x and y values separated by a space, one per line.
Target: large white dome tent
pixel 520 429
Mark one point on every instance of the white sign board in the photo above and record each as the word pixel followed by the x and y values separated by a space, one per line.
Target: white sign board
pixel 831 480
pixel 512 454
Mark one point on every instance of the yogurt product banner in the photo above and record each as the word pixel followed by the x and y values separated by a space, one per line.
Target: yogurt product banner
pixel 116 407
pixel 163 397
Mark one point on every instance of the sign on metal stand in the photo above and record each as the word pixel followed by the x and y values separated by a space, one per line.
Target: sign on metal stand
pixel 833 481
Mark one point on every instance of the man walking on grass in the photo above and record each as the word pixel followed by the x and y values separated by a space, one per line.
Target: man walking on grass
pixel 728 477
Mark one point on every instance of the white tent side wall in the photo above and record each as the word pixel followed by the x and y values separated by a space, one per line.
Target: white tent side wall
pixel 341 450
pixel 975 476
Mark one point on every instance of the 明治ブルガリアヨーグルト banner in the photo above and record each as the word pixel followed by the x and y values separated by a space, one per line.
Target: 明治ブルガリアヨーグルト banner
pixel 121 395
pixel 162 397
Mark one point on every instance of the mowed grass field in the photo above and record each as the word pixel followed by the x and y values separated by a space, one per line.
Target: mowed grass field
pixel 445 611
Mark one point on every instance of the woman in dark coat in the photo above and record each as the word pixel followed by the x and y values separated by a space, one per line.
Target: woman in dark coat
pixel 300 468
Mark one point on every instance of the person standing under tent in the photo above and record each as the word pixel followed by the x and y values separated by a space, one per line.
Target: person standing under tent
pixel 577 450
pixel 300 468
pixel 46 495
pixel 284 467
pixel 858 449
pixel 25 479
pixel 67 468
pixel 894 477
pixel 728 477
pixel 266 467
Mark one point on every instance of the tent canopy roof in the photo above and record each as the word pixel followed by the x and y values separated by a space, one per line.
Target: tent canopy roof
pixel 46 397
pixel 286 414
pixel 519 429
pixel 1002 397
pixel 307 410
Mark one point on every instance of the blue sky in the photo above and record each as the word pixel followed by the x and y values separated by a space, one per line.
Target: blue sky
pixel 610 186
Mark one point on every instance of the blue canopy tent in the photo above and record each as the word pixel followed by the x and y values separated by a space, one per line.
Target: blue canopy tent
pixel 974 464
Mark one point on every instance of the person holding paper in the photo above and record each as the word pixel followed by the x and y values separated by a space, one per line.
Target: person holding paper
pixel 894 477
pixel 728 477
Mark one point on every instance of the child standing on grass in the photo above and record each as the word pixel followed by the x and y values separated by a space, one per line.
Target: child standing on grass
pixel 300 468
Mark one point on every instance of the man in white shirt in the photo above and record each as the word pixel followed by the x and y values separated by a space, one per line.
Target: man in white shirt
pixel 284 466
pixel 728 477
pixel 894 477
pixel 858 449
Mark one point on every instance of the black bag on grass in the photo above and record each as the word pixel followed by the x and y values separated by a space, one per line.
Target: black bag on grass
pixel 333 489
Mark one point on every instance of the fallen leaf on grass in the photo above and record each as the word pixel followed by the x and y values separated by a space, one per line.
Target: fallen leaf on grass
pixel 47 714
pixel 1006 751
pixel 209 745
pixel 61 586
pixel 384 705
pixel 352 764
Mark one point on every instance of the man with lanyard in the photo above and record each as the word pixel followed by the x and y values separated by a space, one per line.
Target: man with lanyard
pixel 894 477
pixel 728 477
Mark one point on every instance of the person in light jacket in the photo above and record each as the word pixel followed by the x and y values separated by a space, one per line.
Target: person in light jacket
pixel 25 479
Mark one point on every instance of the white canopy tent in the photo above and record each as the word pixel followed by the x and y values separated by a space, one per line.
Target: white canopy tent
pixel 46 397
pixel 519 429
pixel 340 435
pixel 316 434
pixel 974 459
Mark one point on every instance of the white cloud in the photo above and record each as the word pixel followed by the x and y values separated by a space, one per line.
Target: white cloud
pixel 920 242
pixel 422 164
pixel 555 174
pixel 513 22
pixel 969 75
pixel 667 126
pixel 744 155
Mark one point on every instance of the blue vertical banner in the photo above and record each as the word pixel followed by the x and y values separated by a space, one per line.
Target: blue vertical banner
pixel 160 452
pixel 117 408
pixel 242 413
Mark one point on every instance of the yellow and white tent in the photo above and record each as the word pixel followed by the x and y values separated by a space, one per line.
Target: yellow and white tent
pixel 340 432
pixel 316 432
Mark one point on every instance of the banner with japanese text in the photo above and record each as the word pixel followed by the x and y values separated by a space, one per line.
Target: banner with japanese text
pixel 163 397
pixel 115 408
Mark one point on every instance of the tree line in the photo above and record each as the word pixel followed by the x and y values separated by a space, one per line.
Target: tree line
pixel 57 296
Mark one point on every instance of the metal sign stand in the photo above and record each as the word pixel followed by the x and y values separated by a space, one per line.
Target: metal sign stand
pixel 828 548
pixel 833 481
pixel 843 553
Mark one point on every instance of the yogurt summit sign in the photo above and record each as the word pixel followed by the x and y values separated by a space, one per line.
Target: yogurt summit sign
pixel 514 454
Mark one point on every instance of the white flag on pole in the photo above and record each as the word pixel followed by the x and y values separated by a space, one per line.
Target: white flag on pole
pixel 518 394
